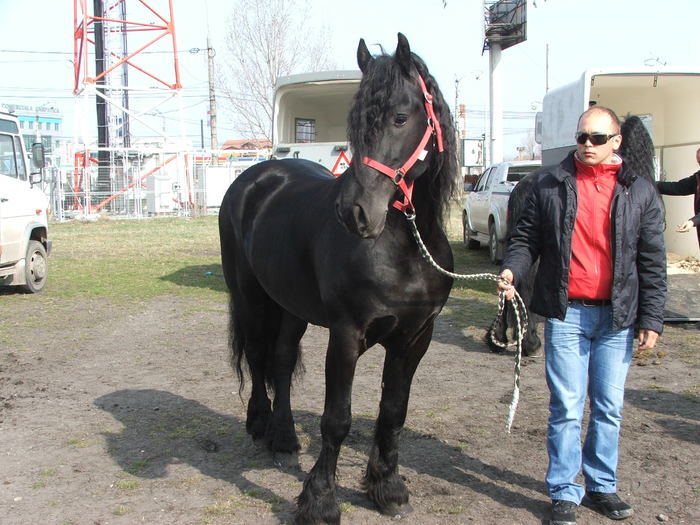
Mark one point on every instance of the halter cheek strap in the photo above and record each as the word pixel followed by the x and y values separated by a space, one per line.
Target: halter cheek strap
pixel 398 175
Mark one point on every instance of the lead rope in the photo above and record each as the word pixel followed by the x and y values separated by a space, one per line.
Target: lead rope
pixel 517 304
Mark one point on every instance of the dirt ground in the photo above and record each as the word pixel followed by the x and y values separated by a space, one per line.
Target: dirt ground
pixel 125 415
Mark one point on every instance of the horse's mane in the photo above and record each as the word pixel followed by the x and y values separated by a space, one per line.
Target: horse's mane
pixel 637 148
pixel 368 115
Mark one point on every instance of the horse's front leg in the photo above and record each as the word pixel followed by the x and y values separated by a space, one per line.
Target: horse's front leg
pixel 317 502
pixel 384 486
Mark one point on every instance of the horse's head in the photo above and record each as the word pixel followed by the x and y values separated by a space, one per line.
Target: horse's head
pixel 395 137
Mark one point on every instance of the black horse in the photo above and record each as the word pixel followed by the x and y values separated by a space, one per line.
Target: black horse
pixel 299 247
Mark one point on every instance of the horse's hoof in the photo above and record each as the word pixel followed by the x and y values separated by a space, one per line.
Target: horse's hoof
pixel 396 511
pixel 286 460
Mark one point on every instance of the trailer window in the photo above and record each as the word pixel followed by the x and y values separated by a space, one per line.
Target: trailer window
pixel 305 130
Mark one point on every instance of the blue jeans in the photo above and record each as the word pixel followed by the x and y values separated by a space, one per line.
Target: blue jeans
pixel 583 353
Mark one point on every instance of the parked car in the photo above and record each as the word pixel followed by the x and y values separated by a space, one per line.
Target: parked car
pixel 24 242
pixel 486 204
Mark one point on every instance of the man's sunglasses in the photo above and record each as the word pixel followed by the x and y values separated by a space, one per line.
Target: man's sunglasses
pixel 597 139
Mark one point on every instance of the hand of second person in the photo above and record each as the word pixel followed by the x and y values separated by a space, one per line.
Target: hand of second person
pixel 685 227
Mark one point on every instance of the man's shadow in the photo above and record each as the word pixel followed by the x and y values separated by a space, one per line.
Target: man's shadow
pixel 161 428
pixel 670 404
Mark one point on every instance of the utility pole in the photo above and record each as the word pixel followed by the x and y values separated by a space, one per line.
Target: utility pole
pixel 211 53
pixel 212 95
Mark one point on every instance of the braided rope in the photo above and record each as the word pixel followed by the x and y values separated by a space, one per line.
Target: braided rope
pixel 518 309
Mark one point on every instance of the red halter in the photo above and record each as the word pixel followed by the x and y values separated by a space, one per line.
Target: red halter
pixel 398 175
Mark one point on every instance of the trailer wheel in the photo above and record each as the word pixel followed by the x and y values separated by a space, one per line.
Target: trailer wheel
pixel 469 242
pixel 36 267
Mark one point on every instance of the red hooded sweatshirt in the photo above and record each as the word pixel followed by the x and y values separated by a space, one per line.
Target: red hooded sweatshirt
pixel 590 273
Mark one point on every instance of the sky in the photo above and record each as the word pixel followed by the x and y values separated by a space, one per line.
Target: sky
pixel 564 37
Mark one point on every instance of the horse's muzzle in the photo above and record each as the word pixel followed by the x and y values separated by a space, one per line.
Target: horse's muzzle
pixel 357 222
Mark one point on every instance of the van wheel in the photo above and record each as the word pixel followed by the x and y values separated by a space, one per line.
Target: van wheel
pixel 494 248
pixel 469 242
pixel 36 267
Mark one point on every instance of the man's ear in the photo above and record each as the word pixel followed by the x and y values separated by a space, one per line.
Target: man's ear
pixel 616 142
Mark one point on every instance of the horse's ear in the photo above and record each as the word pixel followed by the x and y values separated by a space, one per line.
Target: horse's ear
pixel 363 55
pixel 403 54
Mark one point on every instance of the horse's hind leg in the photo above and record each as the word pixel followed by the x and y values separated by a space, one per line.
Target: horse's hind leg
pixel 280 435
pixel 250 335
pixel 384 486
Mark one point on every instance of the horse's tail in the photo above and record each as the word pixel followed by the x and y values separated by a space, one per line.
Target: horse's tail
pixel 236 343
pixel 236 336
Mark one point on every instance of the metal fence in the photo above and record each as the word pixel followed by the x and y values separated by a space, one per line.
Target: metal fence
pixel 139 183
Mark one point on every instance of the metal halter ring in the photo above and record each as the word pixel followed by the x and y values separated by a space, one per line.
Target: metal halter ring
pixel 398 176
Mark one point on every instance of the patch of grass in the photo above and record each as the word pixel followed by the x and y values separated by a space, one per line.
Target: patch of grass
pixel 450 511
pixel 137 466
pixel 39 485
pixel 346 506
pixel 121 510
pixel 78 442
pixel 688 395
pixel 120 259
pixel 127 484
pixel 49 472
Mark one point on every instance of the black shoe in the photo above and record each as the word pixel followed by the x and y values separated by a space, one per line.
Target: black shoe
pixel 563 512
pixel 609 504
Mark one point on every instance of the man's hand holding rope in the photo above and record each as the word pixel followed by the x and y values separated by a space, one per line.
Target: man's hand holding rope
pixel 505 284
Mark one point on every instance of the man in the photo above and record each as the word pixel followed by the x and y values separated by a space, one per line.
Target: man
pixel 688 186
pixel 598 232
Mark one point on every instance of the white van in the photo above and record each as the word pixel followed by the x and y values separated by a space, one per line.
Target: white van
pixel 24 242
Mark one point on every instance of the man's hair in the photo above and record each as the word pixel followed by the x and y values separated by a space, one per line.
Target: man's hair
pixel 602 109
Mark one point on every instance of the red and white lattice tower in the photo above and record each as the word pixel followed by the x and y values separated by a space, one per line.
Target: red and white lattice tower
pixel 131 85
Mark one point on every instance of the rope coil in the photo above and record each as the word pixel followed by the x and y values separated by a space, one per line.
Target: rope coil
pixel 517 304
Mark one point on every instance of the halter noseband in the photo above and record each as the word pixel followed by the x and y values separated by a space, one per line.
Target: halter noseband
pixel 398 175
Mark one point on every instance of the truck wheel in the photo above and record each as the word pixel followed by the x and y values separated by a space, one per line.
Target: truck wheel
pixel 469 242
pixel 494 248
pixel 36 267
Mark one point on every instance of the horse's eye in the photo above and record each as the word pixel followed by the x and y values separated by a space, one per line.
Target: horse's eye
pixel 400 119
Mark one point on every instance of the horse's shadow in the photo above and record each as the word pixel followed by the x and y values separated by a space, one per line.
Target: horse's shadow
pixel 670 404
pixel 161 428
pixel 208 276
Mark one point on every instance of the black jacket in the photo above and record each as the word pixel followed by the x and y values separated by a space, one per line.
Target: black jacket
pixel 545 230
pixel 688 186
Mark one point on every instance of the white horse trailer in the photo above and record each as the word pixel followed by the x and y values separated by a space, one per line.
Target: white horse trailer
pixel 665 99
pixel 310 117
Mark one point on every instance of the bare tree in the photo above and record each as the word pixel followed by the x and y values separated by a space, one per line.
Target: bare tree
pixel 268 39
pixel 531 149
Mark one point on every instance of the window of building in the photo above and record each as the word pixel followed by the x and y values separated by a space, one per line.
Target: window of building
pixel 55 126
pixel 305 130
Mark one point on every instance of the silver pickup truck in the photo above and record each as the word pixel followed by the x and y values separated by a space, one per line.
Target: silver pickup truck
pixel 485 207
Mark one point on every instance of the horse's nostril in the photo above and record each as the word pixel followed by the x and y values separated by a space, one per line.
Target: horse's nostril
pixel 358 213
